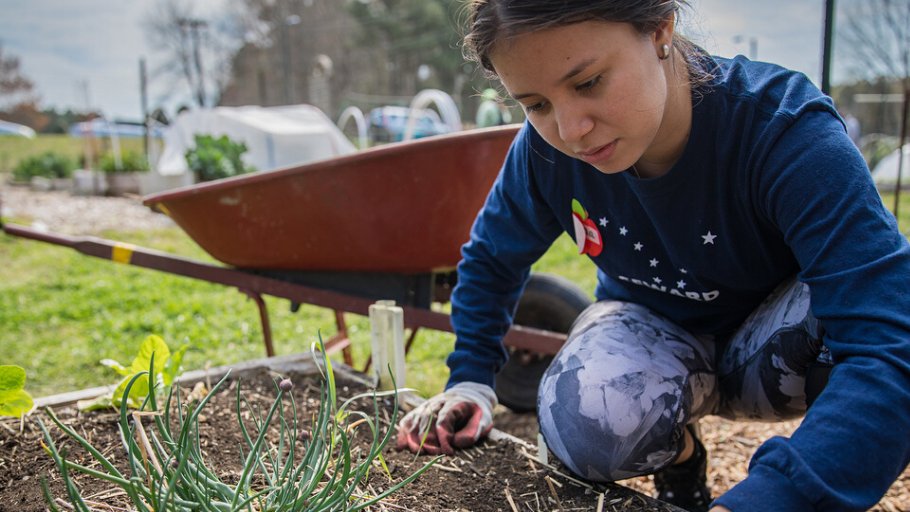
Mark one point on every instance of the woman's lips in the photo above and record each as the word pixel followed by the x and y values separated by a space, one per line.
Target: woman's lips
pixel 598 155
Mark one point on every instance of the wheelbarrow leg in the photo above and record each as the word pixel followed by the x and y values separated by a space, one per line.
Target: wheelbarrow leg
pixel 407 347
pixel 264 320
pixel 340 340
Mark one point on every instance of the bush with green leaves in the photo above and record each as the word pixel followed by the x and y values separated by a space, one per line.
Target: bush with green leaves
pixel 46 165
pixel 130 161
pixel 167 472
pixel 217 157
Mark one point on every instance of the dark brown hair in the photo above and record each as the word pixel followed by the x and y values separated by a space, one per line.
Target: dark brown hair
pixel 489 21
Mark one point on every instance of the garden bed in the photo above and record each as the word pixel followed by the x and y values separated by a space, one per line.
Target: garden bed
pixel 499 474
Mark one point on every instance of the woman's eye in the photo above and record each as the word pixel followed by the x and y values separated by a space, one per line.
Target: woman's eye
pixel 537 107
pixel 590 84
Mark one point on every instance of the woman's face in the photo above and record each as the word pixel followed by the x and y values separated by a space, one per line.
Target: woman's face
pixel 596 91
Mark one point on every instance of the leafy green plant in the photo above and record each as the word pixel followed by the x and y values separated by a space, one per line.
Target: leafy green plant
pixel 47 165
pixel 167 471
pixel 135 383
pixel 14 400
pixel 130 161
pixel 217 157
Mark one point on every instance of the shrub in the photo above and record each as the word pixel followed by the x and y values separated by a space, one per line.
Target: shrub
pixel 46 165
pixel 217 157
pixel 130 161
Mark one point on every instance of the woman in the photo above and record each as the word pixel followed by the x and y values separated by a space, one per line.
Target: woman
pixel 742 250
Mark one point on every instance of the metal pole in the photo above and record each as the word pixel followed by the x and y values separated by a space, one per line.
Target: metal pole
pixel 197 60
pixel 827 46
pixel 286 61
pixel 143 96
pixel 287 21
pixel 905 112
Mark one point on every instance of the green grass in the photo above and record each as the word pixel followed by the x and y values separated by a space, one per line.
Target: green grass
pixel 903 210
pixel 13 149
pixel 61 312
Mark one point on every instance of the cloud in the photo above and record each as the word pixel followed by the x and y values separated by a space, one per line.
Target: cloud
pixel 63 44
pixel 787 33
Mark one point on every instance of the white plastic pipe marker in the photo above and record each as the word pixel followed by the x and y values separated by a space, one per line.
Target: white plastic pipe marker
pixel 387 330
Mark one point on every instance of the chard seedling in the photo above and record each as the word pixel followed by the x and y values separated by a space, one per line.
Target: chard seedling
pixel 164 372
pixel 14 400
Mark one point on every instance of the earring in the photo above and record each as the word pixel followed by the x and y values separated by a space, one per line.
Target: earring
pixel 664 52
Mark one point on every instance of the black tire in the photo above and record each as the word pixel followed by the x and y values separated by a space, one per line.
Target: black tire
pixel 551 303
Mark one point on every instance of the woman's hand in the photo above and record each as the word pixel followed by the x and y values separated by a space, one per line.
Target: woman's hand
pixel 455 418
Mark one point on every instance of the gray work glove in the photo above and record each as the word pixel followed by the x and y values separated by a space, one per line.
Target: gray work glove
pixel 455 418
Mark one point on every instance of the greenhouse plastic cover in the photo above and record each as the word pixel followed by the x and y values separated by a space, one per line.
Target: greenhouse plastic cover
pixel 885 172
pixel 275 137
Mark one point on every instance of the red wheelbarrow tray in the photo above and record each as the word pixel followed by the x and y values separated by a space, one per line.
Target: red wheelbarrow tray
pixel 401 208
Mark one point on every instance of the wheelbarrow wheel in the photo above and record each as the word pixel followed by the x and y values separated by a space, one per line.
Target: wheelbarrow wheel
pixel 551 303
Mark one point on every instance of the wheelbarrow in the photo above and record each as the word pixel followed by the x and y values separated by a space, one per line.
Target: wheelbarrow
pixel 386 223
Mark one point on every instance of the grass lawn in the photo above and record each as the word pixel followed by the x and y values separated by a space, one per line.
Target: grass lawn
pixel 61 312
pixel 903 209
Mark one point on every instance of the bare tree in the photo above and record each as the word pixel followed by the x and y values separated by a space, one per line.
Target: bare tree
pixel 297 51
pixel 876 34
pixel 197 50
pixel 14 86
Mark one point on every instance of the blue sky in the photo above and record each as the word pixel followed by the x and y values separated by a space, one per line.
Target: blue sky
pixel 65 43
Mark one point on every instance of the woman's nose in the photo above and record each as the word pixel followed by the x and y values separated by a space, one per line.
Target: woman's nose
pixel 573 123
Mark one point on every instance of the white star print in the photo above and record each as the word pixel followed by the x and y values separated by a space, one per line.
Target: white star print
pixel 709 238
pixel 658 280
pixel 623 231
pixel 680 284
pixel 654 262
pixel 604 221
pixel 638 246
pixel 683 271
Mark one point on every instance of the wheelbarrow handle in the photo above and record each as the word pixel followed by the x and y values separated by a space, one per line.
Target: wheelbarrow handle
pixel 535 340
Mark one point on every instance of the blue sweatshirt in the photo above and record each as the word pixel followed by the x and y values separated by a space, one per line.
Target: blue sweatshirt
pixel 769 185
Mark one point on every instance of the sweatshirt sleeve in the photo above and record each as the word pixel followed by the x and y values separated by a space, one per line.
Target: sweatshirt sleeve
pixel 853 443
pixel 513 229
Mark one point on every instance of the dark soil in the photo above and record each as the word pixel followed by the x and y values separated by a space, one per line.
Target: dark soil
pixel 480 479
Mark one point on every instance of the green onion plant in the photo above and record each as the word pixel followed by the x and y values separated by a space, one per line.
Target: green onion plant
pixel 314 470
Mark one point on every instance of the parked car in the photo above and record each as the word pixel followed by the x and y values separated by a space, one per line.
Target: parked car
pixel 388 124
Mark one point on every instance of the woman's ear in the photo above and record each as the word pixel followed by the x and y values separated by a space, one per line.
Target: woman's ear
pixel 663 35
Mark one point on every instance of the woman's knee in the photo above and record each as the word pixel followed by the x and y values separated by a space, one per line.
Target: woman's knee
pixel 615 400
pixel 765 366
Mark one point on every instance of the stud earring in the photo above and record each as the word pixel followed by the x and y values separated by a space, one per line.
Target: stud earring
pixel 664 52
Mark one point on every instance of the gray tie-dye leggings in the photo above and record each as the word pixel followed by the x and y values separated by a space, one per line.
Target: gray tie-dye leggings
pixel 615 401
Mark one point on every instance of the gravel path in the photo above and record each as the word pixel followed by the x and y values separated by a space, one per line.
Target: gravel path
pixel 65 213
pixel 730 445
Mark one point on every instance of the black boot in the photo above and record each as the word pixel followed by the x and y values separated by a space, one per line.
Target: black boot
pixel 685 485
